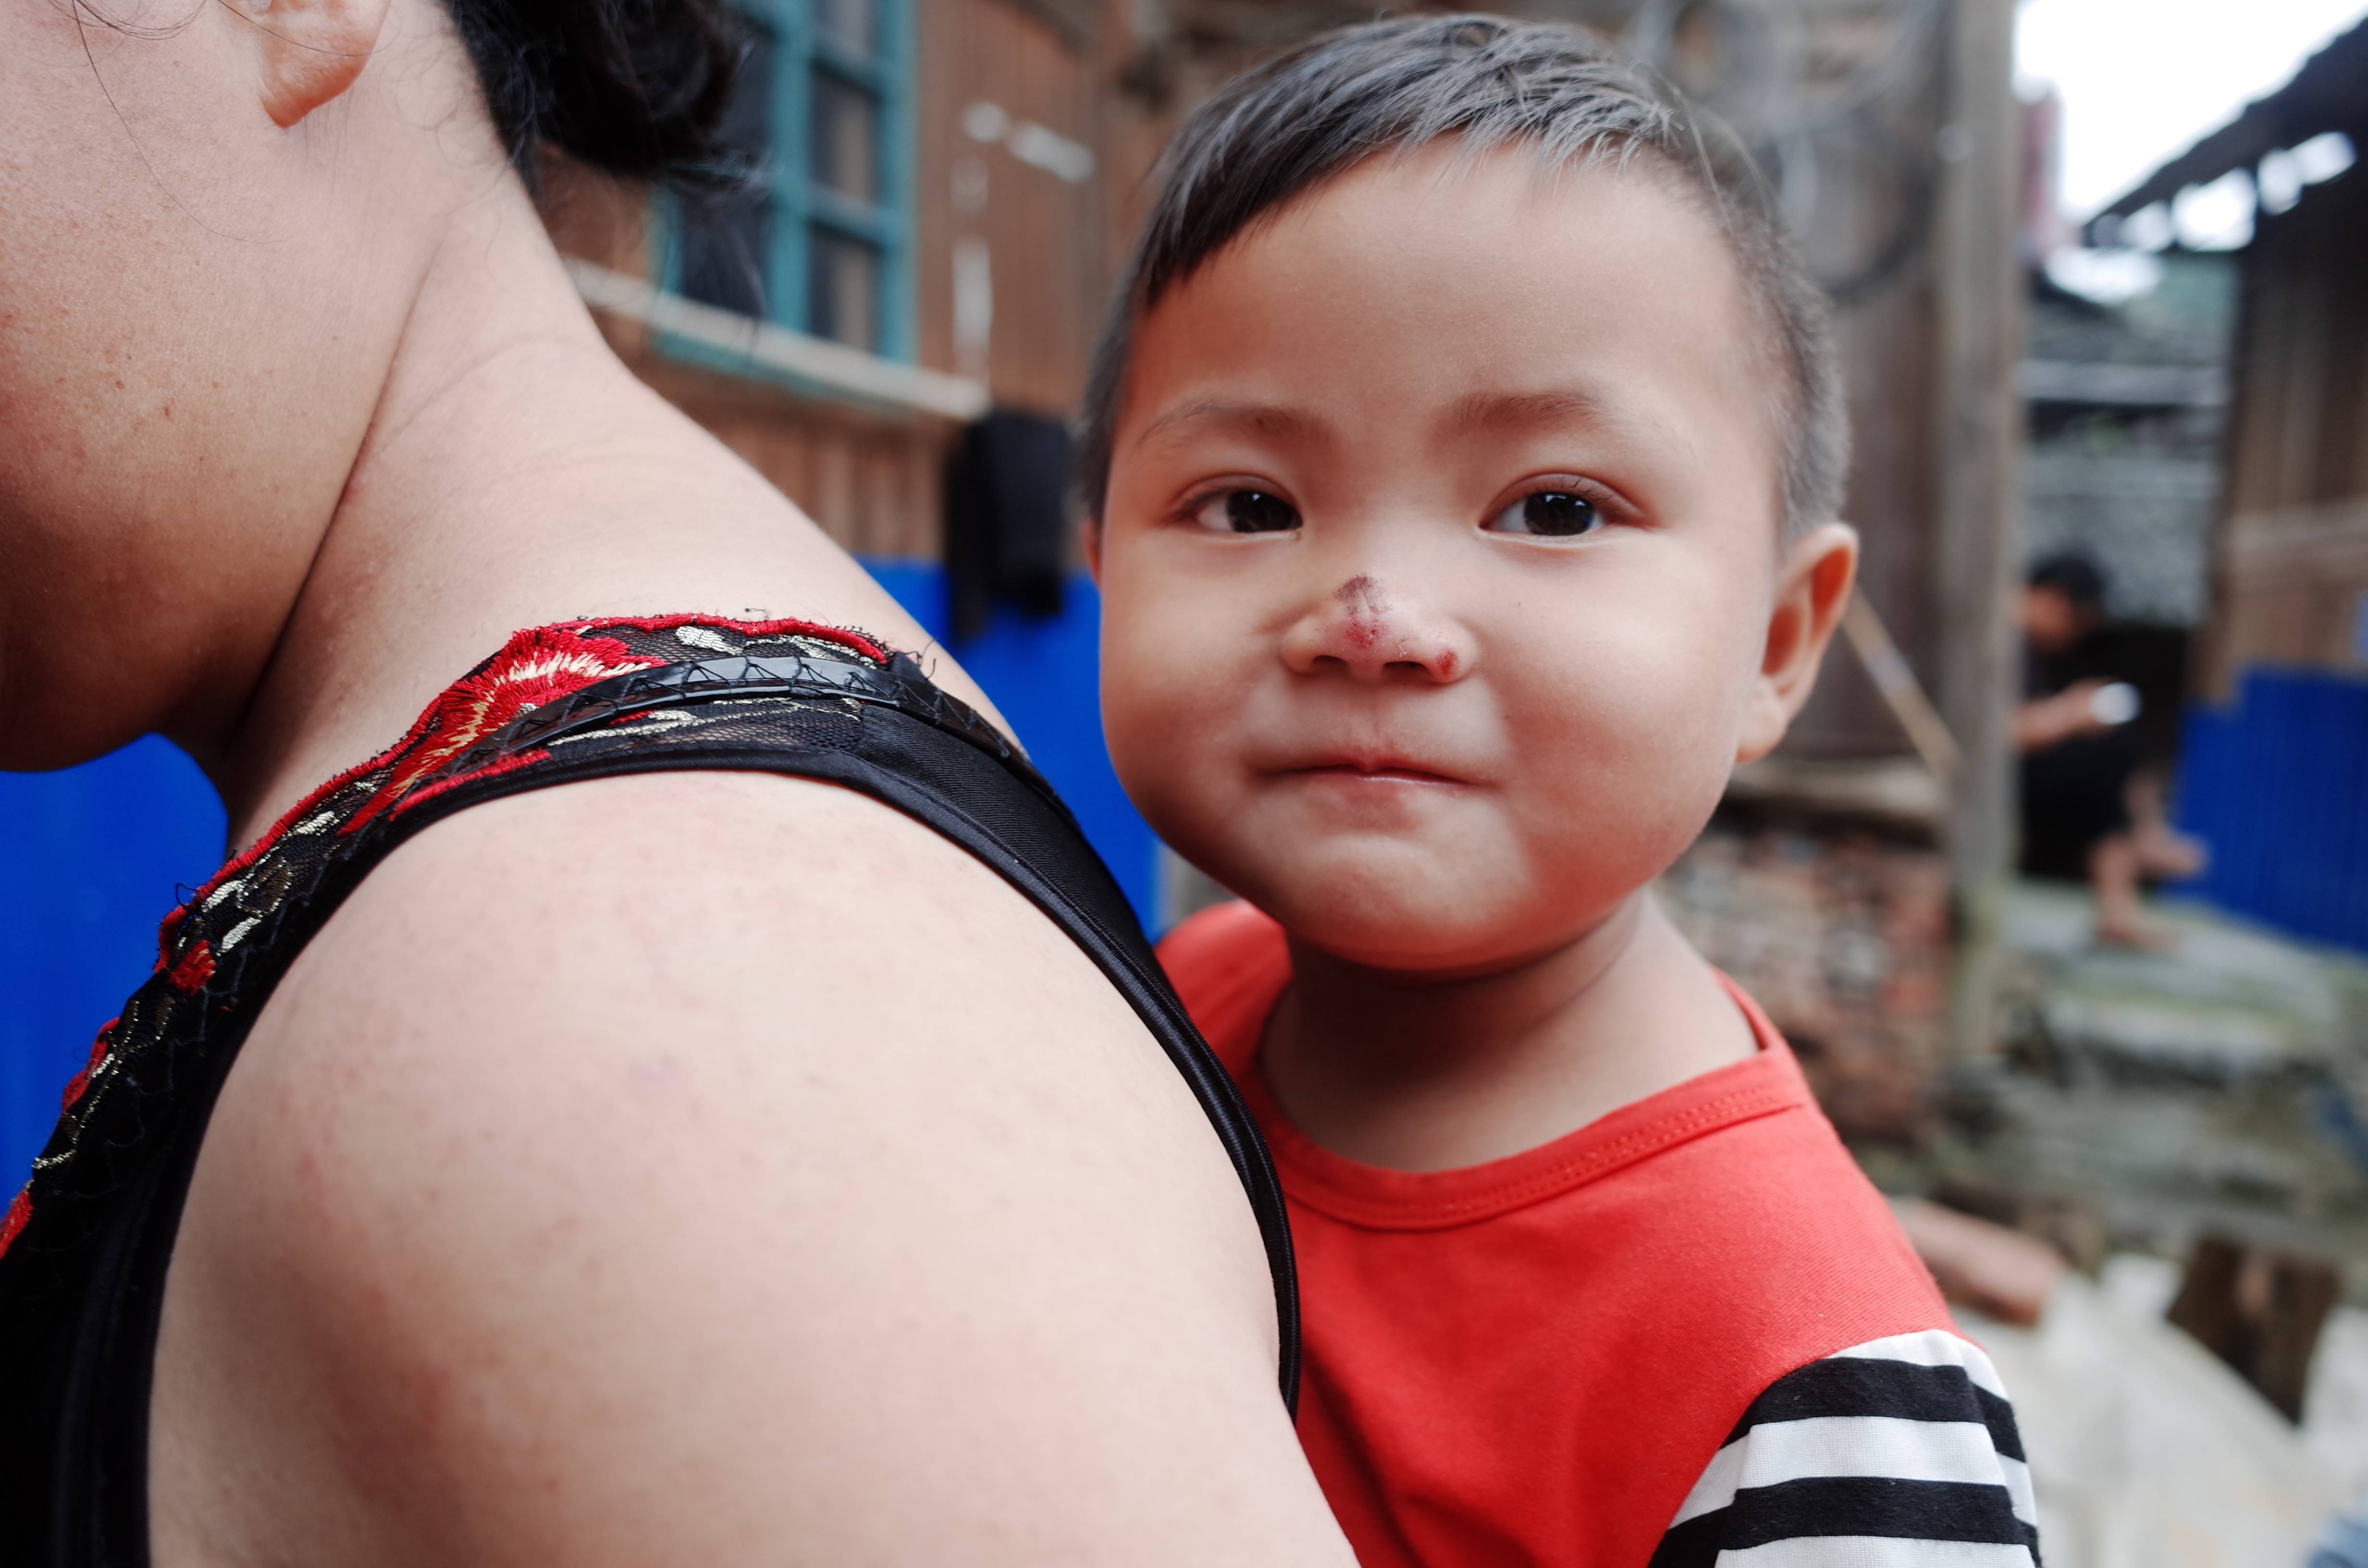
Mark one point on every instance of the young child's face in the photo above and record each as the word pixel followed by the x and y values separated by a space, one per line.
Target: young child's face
pixel 1440 553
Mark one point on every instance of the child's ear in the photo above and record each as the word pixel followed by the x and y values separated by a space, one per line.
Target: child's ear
pixel 1812 587
pixel 307 53
pixel 1094 550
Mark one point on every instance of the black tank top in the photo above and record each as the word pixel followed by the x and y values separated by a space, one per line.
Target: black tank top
pixel 85 1247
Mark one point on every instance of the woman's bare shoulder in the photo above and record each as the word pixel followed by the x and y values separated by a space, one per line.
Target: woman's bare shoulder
pixel 715 1166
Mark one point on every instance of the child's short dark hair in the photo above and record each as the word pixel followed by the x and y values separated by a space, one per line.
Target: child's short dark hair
pixel 1274 132
pixel 2074 575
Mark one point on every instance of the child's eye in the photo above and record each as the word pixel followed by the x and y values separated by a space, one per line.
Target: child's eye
pixel 1246 512
pixel 1551 514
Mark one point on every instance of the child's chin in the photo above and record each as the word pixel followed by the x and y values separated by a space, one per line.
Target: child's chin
pixel 1407 929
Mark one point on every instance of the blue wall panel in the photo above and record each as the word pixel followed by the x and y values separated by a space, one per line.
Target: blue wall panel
pixel 90 858
pixel 2278 785
pixel 90 861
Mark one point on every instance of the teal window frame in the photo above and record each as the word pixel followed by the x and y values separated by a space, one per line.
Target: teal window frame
pixel 798 203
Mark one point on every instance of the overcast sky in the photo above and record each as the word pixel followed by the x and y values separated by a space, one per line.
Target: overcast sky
pixel 2141 79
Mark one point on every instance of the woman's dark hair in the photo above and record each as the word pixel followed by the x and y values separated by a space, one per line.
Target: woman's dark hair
pixel 633 87
pixel 1275 132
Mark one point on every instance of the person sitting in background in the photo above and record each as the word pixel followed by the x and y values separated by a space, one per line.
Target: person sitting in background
pixel 2087 812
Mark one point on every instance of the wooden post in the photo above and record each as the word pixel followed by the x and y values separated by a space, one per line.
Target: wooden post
pixel 1977 510
pixel 2258 1311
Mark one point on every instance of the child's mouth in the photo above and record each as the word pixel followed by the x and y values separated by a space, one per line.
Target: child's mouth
pixel 1375 772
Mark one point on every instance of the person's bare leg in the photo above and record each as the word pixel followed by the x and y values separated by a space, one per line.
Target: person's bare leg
pixel 2163 851
pixel 2115 869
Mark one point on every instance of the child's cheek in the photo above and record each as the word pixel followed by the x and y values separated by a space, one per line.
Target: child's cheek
pixel 1166 679
pixel 1626 755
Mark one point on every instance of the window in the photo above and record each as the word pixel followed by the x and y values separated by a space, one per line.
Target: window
pixel 819 241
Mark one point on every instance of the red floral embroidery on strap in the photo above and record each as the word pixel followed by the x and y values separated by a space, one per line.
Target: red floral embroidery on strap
pixel 171 923
pixel 81 1081
pixel 539 667
pixel 197 967
pixel 477 775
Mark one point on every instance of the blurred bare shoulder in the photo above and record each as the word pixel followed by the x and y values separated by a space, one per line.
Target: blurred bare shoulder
pixel 713 1167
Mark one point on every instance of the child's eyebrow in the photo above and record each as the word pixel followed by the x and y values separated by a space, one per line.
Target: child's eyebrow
pixel 1557 405
pixel 1265 418
pixel 1637 424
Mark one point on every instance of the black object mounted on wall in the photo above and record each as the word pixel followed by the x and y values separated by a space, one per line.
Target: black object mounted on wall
pixel 1007 511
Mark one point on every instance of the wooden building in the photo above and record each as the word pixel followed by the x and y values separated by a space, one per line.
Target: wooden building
pixel 1873 120
pixel 2290 540
pixel 952 183
pixel 2273 758
pixel 924 239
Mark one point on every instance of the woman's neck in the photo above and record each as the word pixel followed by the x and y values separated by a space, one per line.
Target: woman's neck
pixel 1413 1073
pixel 515 473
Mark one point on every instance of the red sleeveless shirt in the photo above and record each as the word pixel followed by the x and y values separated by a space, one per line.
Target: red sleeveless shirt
pixel 1535 1361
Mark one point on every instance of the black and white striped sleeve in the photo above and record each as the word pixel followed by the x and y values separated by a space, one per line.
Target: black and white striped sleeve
pixel 1897 1453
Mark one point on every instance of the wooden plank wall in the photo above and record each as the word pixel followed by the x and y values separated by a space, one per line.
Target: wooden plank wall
pixel 1042 233
pixel 1888 347
pixel 2291 543
pixel 1079 68
pixel 870 479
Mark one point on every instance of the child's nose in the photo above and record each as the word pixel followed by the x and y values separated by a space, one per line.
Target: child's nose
pixel 1366 632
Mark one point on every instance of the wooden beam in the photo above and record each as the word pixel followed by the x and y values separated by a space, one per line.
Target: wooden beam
pixel 1977 511
pixel 1901 692
pixel 764 352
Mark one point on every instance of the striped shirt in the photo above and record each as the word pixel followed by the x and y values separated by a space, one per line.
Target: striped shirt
pixel 1898 1453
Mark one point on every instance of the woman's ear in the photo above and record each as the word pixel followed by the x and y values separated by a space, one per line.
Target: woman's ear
pixel 1812 587
pixel 1094 550
pixel 308 52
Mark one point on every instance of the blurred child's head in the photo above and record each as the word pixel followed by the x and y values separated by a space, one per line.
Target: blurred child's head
pixel 1462 454
pixel 2062 601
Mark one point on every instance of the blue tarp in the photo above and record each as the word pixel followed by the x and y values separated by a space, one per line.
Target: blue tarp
pixel 2277 784
pixel 89 861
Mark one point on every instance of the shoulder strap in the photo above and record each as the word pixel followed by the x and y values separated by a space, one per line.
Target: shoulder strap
pixel 1229 964
pixel 981 793
pixel 87 1245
